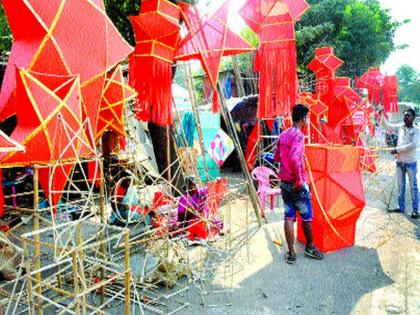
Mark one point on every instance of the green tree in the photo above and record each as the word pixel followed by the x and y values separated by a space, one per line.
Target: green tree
pixel 409 84
pixel 361 33
pixel 5 37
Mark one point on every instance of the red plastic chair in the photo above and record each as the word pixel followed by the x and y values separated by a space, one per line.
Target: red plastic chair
pixel 262 175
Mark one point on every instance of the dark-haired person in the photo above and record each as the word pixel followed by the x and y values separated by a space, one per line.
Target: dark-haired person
pixel 295 191
pixel 405 151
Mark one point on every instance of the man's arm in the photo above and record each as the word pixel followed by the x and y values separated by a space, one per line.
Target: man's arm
pixel 297 157
pixel 385 123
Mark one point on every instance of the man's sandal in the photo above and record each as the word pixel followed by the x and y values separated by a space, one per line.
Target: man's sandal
pixel 313 252
pixel 290 258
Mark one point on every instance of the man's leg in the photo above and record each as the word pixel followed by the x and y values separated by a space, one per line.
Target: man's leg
pixel 307 230
pixel 290 235
pixel 412 177
pixel 401 169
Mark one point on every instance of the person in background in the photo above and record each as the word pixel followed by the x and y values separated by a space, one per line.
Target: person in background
pixel 405 152
pixel 294 183
pixel 126 203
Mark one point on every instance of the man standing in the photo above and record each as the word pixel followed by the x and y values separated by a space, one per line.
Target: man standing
pixel 408 139
pixel 294 184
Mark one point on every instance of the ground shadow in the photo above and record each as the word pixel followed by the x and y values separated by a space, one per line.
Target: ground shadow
pixel 332 286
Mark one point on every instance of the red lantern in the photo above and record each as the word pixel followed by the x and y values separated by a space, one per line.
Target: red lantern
pixel 157 34
pixel 372 80
pixel 273 21
pixel 111 113
pixel 63 38
pixel 390 94
pixel 208 40
pixel 324 65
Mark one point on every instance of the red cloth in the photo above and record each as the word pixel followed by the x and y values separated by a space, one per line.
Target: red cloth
pixel 198 229
pixel 156 30
pixel 1 195
pixel 160 199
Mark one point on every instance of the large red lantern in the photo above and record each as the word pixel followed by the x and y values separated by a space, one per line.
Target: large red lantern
pixel 274 21
pixel 157 35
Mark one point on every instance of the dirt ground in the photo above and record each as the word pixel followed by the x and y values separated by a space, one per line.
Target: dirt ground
pixel 379 275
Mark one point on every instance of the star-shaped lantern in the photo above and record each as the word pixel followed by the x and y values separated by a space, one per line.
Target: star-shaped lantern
pixel 324 65
pixel 340 113
pixel 63 37
pixel 45 102
pixel 157 34
pixel 9 145
pixel 49 116
pixel 209 40
pixel 116 93
pixel 274 21
pixel 317 109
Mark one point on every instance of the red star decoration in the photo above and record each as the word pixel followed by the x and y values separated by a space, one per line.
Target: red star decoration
pixel 63 37
pixel 208 40
pixel 116 93
pixel 45 101
pixel 49 115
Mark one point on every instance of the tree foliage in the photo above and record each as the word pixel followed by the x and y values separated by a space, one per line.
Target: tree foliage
pixel 409 84
pixel 5 37
pixel 360 31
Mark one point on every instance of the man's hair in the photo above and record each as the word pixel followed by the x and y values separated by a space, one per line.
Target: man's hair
pixel 411 111
pixel 299 111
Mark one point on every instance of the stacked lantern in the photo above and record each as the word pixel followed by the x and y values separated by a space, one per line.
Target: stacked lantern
pixel 274 21
pixel 156 30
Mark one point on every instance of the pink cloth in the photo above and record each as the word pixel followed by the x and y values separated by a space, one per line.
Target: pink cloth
pixel 290 153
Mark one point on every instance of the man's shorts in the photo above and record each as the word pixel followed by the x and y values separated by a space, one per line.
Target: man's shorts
pixel 296 201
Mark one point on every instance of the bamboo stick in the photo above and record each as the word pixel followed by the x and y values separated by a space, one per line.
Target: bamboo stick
pixel 127 272
pixel 231 128
pixel 197 118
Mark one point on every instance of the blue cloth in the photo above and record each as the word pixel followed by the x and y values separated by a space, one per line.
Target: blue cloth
pixel 228 88
pixel 276 127
pixel 267 156
pixel 411 170
pixel 296 201
pixel 188 125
